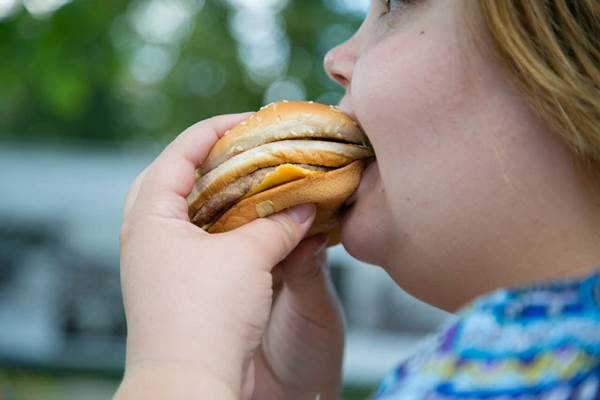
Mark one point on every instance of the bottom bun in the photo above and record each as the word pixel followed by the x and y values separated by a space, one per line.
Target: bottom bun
pixel 328 191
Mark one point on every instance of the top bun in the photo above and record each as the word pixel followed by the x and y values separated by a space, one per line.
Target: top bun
pixel 284 120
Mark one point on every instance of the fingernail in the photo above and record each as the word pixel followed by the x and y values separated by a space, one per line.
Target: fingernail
pixel 301 213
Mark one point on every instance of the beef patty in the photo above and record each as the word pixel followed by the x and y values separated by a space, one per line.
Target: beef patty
pixel 230 194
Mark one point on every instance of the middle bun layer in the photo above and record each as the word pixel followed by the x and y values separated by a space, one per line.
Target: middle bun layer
pixel 313 152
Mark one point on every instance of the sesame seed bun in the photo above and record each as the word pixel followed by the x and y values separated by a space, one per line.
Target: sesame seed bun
pixel 285 120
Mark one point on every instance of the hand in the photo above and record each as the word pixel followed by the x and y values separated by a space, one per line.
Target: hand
pixel 196 304
pixel 302 350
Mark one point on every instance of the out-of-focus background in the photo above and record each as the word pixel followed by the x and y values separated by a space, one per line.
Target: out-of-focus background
pixel 90 91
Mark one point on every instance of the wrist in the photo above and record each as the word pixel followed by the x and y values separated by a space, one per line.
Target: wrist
pixel 173 380
pixel 268 386
pixel 169 352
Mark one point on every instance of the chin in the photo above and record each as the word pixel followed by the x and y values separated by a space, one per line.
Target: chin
pixel 352 235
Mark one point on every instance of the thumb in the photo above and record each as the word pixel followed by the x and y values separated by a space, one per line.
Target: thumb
pixel 277 235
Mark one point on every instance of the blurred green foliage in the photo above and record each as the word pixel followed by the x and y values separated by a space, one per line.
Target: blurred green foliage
pixel 68 76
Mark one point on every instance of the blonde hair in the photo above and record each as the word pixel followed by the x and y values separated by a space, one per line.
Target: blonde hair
pixel 552 48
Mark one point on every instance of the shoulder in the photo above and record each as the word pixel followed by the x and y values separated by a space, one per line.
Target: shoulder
pixel 533 342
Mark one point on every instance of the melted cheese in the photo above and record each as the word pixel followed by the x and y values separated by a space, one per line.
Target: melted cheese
pixel 282 174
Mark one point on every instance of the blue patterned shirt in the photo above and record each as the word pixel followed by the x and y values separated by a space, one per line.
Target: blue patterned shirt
pixel 536 342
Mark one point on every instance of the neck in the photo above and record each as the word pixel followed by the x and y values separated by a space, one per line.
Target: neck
pixel 557 236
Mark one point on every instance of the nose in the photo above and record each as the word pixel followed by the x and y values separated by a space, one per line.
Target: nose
pixel 339 62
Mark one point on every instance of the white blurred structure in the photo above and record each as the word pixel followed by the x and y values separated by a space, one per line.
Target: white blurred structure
pixel 37 8
pixel 59 291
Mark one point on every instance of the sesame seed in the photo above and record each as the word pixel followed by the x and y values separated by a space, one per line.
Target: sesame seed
pixel 265 208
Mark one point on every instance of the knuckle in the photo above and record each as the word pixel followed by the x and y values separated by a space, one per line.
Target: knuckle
pixel 309 274
pixel 138 179
pixel 288 238
pixel 135 185
pixel 126 231
pixel 270 236
pixel 132 189
pixel 195 126
pixel 321 258
pixel 201 126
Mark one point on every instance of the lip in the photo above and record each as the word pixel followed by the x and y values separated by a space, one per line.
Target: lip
pixel 352 115
pixel 354 118
pixel 371 161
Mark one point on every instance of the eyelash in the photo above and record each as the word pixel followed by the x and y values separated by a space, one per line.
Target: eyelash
pixel 389 3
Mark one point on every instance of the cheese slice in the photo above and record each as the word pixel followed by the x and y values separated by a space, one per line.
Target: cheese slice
pixel 282 174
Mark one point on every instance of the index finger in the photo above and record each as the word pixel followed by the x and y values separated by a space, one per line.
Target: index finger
pixel 170 178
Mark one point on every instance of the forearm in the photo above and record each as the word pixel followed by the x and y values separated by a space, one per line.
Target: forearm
pixel 173 382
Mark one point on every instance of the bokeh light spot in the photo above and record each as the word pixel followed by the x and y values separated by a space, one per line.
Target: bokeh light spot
pixel 150 64
pixel 8 8
pixel 43 8
pixel 285 89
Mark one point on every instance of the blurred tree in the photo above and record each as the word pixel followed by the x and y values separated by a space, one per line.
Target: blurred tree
pixel 119 70
pixel 57 74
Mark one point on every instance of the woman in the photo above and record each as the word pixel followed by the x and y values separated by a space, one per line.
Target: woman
pixel 485 120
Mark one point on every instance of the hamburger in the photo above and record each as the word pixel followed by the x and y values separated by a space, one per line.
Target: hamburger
pixel 288 153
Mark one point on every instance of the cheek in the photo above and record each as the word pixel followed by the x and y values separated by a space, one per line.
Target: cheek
pixel 416 100
pixel 408 93
pixel 404 87
pixel 367 232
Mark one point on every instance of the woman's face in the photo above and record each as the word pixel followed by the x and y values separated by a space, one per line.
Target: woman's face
pixel 457 149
